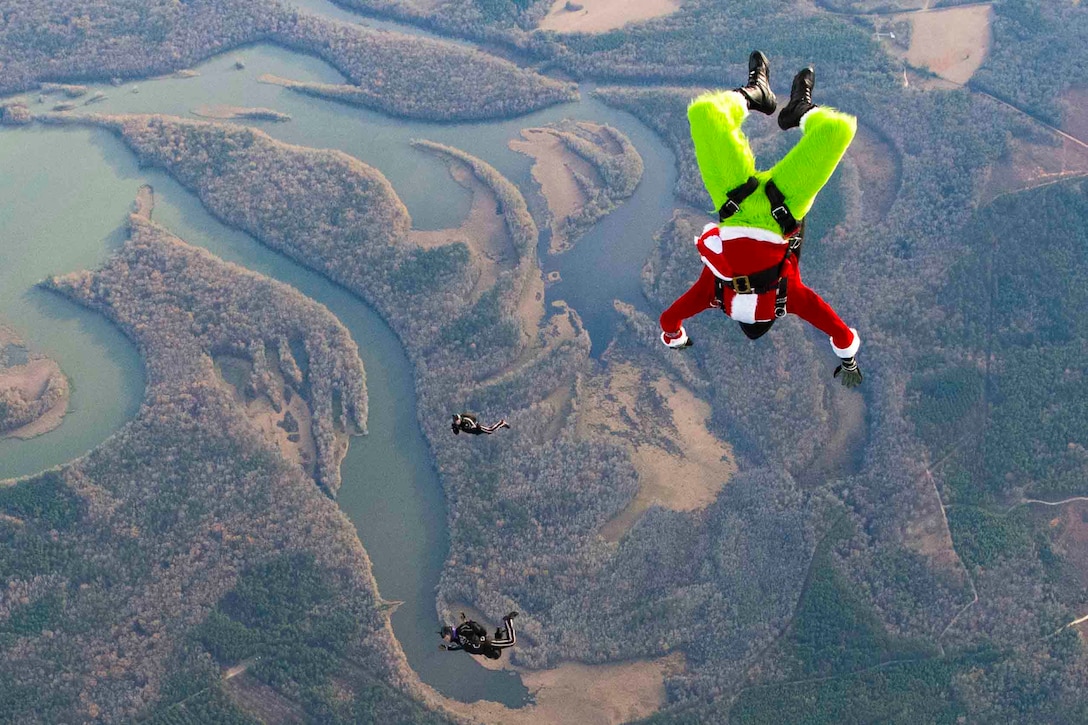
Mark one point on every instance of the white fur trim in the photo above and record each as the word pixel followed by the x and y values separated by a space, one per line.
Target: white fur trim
pixel 714 244
pixel 708 227
pixel 678 342
pixel 760 235
pixel 804 117
pixel 743 308
pixel 744 103
pixel 850 351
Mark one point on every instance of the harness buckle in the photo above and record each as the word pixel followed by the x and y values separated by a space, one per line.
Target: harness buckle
pixel 729 208
pixel 742 285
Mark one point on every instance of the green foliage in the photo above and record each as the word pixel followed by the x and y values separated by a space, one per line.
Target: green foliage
pixel 43 501
pixel 370 702
pixel 942 400
pixel 431 268
pixel 1038 52
pixel 907 693
pixel 982 538
pixel 45 613
pixel 834 629
pixel 278 612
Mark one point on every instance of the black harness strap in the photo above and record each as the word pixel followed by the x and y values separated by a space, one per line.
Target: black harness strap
pixel 779 210
pixel 734 197
pixel 767 279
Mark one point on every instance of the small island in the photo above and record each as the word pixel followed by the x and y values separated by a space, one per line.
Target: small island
pixel 230 113
pixel 33 390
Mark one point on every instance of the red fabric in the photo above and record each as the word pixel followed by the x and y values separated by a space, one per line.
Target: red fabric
pixel 800 300
pixel 740 254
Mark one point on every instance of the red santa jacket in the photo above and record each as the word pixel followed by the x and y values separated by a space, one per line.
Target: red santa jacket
pixel 728 252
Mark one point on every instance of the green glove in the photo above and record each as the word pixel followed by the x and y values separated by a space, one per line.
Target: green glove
pixel 851 375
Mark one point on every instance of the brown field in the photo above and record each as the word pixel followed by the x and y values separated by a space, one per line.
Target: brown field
pixel 952 43
pixel 553 169
pixel 598 16
pixel 261 701
pixel 483 231
pixel 582 694
pixel 1072 539
pixel 683 481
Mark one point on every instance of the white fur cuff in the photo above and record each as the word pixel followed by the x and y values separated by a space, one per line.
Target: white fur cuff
pixel 851 350
pixel 678 342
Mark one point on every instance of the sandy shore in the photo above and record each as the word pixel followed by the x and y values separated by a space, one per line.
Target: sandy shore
pixel 577 693
pixel 598 16
pixel 483 231
pixel 554 168
pixel 30 382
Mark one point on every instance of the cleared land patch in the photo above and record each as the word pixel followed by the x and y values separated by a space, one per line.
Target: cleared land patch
pixel 281 415
pixel 1075 113
pixel 598 16
pixel 584 694
pixel 879 168
pixel 681 465
pixel 1040 158
pixel 952 43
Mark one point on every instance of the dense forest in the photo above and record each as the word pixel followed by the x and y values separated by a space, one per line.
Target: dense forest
pixel 877 557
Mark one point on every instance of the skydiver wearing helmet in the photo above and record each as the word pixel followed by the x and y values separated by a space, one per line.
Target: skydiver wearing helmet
pixel 473 638
pixel 468 423
pixel 750 262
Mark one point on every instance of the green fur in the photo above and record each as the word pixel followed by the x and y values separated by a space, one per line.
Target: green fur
pixel 726 161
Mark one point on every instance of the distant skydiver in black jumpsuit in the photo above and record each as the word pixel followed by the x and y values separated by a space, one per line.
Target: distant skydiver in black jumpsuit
pixel 471 637
pixel 467 423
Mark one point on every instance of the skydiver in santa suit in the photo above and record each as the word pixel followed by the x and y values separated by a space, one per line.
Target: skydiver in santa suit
pixel 749 270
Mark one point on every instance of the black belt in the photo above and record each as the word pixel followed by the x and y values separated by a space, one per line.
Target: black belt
pixel 749 284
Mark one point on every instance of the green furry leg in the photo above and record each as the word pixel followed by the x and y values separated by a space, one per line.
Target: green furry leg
pixel 826 133
pixel 725 159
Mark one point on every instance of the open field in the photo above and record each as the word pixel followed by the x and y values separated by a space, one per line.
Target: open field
pixel 681 467
pixel 598 16
pixel 952 43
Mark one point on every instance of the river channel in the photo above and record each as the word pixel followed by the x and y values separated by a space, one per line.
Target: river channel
pixel 64 197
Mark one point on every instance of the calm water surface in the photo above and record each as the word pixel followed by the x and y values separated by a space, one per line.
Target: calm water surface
pixel 64 196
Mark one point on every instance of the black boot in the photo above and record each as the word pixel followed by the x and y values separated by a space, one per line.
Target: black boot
pixel 800 99
pixel 758 91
